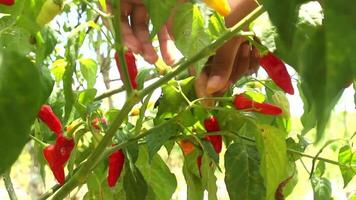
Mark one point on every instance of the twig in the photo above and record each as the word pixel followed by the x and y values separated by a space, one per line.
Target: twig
pixel 9 186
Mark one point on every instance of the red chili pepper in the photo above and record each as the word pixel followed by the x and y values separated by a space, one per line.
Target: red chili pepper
pixel 52 157
pixel 131 67
pixel 7 2
pixel 277 70
pixel 211 125
pixel 57 155
pixel 116 163
pixel 96 124
pixel 243 102
pixel 64 147
pixel 50 119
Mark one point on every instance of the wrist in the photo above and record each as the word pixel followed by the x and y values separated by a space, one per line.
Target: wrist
pixel 239 9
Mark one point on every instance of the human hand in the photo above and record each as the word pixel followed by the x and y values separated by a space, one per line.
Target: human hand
pixel 233 60
pixel 135 33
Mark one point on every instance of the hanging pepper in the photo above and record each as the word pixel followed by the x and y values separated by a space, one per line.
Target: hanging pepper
pixel 49 10
pixel 57 155
pixel 277 70
pixel 186 146
pixel 64 147
pixel 243 102
pixel 48 117
pixel 52 157
pixel 116 164
pixel 7 2
pixel 211 125
pixel 220 6
pixel 131 67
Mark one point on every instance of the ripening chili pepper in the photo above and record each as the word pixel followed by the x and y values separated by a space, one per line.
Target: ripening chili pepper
pixel 220 6
pixel 52 157
pixel 241 101
pixel 96 124
pixel 278 195
pixel 186 146
pixel 131 67
pixel 48 117
pixel 116 164
pixel 277 70
pixel 7 2
pixel 48 12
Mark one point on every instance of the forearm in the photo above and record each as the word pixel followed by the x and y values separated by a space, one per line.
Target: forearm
pixel 240 9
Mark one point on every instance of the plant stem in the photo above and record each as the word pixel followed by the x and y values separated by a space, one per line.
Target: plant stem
pixel 109 93
pixel 9 186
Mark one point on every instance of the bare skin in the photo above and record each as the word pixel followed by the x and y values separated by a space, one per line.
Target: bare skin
pixel 232 61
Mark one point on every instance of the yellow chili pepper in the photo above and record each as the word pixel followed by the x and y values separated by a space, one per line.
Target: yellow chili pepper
pixel 220 6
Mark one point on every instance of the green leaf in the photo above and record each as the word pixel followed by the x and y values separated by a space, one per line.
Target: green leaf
pixel 210 151
pixel 157 174
pixel 97 185
pixel 195 189
pixel 321 188
pixel 134 184
pixel 189 32
pixel 21 96
pixel 159 135
pixel 320 169
pixel 47 82
pixel 284 15
pixel 242 177
pixel 172 101
pixel 216 26
pixel 272 148
pixel 208 177
pixel 45 43
pixel 89 68
pixel 340 26
pixel 348 158
pixel 58 68
pixel 159 12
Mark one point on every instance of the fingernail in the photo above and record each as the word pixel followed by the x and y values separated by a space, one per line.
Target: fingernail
pixel 213 84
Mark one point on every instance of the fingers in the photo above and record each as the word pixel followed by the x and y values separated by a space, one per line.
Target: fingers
pixel 128 35
pixel 242 63
pixel 167 46
pixel 139 25
pixel 222 66
pixel 254 60
pixel 200 87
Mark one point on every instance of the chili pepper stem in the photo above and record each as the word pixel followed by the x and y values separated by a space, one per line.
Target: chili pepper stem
pixel 43 144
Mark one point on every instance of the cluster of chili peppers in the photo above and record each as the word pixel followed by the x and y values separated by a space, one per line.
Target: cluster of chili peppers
pixel 242 102
pixel 56 154
pixel 116 164
pixel 7 2
pixel 277 70
pixel 131 67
